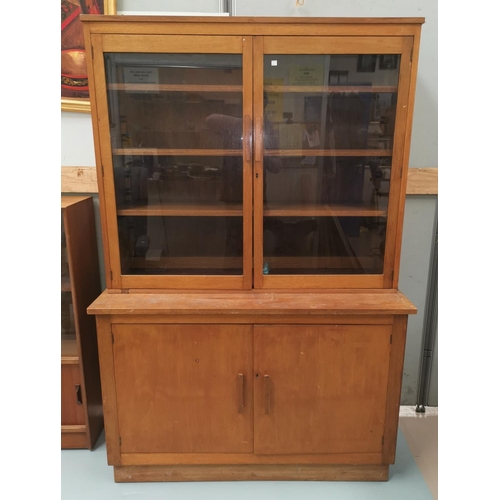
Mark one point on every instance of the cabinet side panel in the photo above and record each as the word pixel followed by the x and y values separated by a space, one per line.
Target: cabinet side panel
pixel 107 367
pixel 399 166
pixel 394 388
pixel 97 149
pixel 406 158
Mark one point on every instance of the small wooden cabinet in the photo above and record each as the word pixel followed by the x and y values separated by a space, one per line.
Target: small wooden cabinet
pixel 252 176
pixel 81 400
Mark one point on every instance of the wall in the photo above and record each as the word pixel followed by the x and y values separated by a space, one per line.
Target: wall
pixel 77 141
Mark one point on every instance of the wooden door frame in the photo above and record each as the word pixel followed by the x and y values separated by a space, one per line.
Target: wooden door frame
pixel 402 45
pixel 207 44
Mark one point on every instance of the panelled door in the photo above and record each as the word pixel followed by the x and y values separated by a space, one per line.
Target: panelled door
pixel 184 388
pixel 320 389
pixel 175 121
pixel 329 131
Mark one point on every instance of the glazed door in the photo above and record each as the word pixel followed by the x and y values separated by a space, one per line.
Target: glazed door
pixel 320 389
pixel 184 388
pixel 330 122
pixel 175 124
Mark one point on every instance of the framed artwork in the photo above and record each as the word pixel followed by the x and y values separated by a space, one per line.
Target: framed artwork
pixel 74 80
pixel 388 61
pixel 367 63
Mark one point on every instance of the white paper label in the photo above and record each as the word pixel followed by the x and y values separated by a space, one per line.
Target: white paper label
pixel 141 75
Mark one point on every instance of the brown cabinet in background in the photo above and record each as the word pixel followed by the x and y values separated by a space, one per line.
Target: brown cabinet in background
pixel 81 400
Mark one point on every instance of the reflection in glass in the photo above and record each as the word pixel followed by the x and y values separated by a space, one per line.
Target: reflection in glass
pixel 320 102
pixel 328 136
pixel 172 101
pixel 176 124
pixel 67 315
pixel 181 245
pixel 324 245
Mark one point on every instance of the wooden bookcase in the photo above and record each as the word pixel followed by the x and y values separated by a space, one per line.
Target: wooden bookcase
pixel 252 176
pixel 81 399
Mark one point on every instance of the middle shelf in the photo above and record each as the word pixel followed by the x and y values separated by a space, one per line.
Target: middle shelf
pixel 140 151
pixel 236 210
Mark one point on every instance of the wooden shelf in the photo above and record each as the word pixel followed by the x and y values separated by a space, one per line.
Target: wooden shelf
pixel 323 210
pixel 184 209
pixel 337 88
pixel 65 284
pixel 328 152
pixel 311 263
pixel 298 262
pixel 182 263
pixel 69 351
pixel 163 87
pixel 236 210
pixel 176 152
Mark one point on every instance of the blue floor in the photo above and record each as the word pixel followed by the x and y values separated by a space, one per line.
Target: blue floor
pixel 85 475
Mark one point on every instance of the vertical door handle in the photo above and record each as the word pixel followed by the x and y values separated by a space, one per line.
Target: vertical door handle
pixel 241 392
pixel 267 394
pixel 78 390
pixel 259 138
pixel 247 134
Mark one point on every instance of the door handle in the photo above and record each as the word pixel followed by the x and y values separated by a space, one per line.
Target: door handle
pixel 241 392
pixel 247 134
pixel 267 395
pixel 78 390
pixel 259 138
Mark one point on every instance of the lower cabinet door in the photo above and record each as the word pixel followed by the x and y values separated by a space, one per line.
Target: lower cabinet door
pixel 71 396
pixel 320 389
pixel 184 388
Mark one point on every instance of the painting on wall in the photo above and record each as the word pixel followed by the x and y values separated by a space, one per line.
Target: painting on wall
pixel 74 79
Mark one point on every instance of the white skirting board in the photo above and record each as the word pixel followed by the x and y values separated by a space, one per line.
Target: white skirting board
pixel 409 411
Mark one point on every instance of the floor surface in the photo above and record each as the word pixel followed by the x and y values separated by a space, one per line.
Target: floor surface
pixel 85 475
pixel 421 433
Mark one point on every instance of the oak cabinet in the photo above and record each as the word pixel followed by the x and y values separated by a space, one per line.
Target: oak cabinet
pixel 251 177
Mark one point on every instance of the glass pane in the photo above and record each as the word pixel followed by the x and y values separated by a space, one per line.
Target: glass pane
pixel 178 245
pixel 68 330
pixel 324 245
pixel 176 134
pixel 328 137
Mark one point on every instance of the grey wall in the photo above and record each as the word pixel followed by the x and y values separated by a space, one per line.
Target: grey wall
pixel 77 142
pixel 201 6
pixel 418 234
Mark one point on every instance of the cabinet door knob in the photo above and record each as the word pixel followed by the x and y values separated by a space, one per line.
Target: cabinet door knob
pixel 267 394
pixel 241 392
